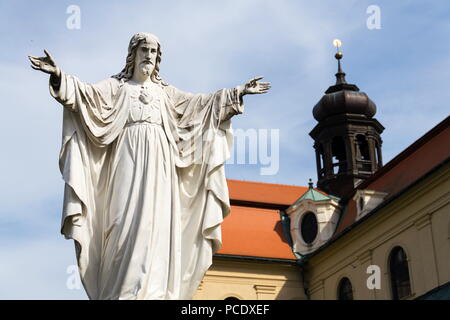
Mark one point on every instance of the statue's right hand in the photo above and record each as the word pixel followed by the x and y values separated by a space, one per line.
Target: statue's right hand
pixel 45 64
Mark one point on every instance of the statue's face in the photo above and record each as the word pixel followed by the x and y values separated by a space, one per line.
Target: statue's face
pixel 146 54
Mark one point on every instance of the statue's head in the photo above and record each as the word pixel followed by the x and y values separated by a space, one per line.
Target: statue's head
pixel 144 53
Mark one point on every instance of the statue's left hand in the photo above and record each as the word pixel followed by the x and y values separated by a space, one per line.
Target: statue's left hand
pixel 255 87
pixel 45 64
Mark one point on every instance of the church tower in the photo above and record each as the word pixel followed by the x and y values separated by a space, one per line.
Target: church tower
pixel 346 138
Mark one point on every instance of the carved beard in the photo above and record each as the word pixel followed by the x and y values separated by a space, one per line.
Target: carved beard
pixel 147 69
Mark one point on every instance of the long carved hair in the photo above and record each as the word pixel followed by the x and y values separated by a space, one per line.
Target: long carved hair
pixel 127 72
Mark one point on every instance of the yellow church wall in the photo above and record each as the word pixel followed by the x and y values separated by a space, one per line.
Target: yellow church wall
pixel 251 280
pixel 441 237
pixel 418 221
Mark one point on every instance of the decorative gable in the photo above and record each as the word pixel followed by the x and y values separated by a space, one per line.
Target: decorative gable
pixel 313 220
pixel 367 200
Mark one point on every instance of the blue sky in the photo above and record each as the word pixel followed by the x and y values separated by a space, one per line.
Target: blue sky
pixel 404 67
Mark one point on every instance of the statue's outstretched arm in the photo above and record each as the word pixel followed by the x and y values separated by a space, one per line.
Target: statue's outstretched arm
pixel 63 87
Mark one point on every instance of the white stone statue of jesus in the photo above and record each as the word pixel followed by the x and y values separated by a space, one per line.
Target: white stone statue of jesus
pixel 143 165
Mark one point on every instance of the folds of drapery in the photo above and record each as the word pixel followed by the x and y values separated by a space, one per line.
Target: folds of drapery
pixel 204 139
pixel 199 131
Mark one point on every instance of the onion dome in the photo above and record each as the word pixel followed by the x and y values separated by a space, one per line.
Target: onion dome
pixel 343 98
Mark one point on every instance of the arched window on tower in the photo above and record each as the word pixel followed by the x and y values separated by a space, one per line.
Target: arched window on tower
pixel 377 156
pixel 321 160
pixel 379 161
pixel 363 148
pixel 399 273
pixel 362 153
pixel 345 289
pixel 339 159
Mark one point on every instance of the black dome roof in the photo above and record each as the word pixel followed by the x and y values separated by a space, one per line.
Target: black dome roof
pixel 343 98
pixel 344 101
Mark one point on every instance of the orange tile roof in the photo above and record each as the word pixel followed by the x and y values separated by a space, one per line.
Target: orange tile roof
pixel 264 193
pixel 253 227
pixel 255 232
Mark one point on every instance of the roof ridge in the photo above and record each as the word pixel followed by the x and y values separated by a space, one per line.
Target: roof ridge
pixel 268 183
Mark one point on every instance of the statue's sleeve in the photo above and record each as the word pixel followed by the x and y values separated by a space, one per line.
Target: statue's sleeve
pixel 70 91
pixel 90 123
pixel 97 105
pixel 193 108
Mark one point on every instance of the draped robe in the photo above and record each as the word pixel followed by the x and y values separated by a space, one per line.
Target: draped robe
pixel 145 188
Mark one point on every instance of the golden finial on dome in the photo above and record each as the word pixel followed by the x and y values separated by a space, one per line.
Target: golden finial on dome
pixel 337 43
pixel 340 75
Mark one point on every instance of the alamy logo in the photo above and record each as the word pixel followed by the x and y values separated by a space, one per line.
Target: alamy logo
pixel 74 20
pixel 374 20
pixel 263 148
pixel 73 280
pixel 374 280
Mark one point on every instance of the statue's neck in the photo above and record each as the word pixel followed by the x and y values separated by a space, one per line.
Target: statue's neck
pixel 140 77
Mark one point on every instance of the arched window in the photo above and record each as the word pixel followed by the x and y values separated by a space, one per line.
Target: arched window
pixel 339 155
pixel 321 160
pixel 363 148
pixel 399 272
pixel 345 290
pixel 378 152
pixel 309 227
pixel 361 203
pixel 363 161
pixel 231 299
pixel 377 155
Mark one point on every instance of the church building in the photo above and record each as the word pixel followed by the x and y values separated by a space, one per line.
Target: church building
pixel 367 231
